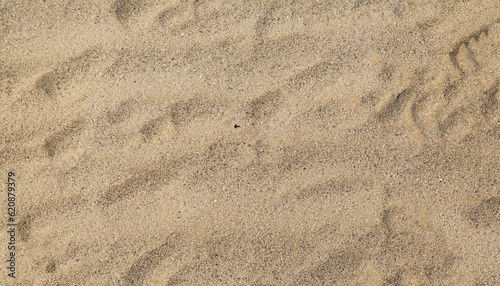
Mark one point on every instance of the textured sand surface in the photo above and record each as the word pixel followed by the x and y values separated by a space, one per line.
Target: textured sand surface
pixel 368 151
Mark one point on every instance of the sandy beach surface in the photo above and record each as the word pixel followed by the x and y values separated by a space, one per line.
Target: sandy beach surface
pixel 193 142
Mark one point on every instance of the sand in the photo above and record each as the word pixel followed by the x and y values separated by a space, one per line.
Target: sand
pixel 348 142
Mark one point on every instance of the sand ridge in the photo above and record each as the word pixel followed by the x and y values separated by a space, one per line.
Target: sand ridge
pixel 367 152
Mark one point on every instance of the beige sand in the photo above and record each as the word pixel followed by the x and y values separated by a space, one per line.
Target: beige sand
pixel 368 151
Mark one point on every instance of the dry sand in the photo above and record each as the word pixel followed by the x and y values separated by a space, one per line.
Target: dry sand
pixel 368 151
